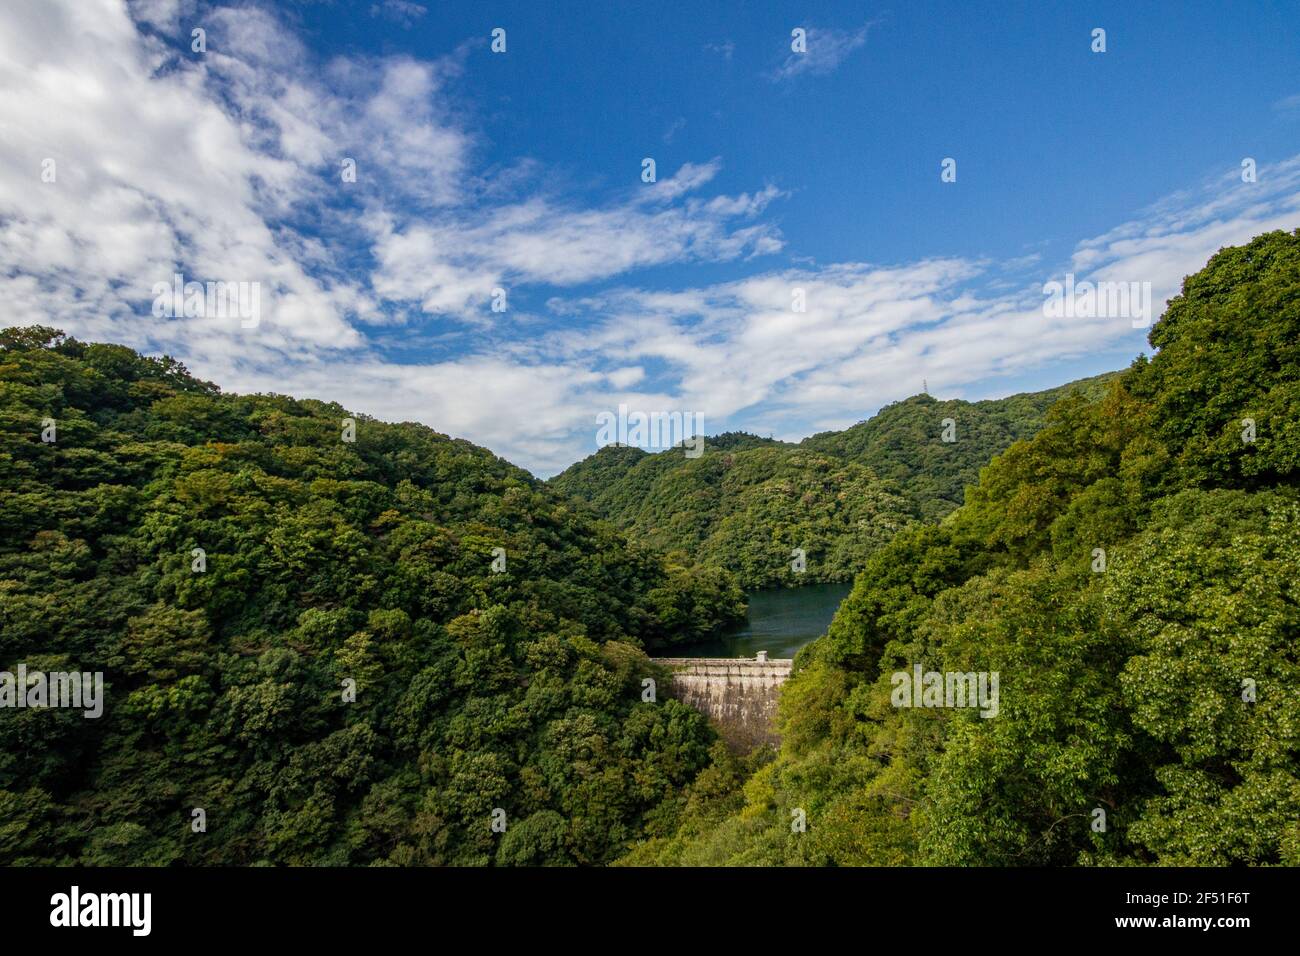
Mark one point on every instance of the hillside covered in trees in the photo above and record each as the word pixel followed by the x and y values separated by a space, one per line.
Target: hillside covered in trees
pixel 303 635
pixel 747 503
pixel 1132 574
pixel 903 442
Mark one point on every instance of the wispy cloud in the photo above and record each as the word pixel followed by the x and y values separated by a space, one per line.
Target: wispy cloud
pixel 451 265
pixel 1288 104
pixel 402 12
pixel 725 49
pixel 826 49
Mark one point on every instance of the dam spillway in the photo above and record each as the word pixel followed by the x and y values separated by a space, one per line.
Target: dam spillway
pixel 738 694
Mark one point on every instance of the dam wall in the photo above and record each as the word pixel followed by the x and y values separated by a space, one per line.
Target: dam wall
pixel 738 694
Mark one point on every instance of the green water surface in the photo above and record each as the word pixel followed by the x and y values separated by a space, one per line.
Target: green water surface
pixel 781 620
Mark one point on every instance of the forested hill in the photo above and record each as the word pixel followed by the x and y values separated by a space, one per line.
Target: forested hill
pixel 236 566
pixel 903 440
pixel 747 502
pixel 1131 574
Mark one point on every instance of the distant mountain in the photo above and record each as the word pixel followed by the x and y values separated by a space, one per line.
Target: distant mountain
pixel 750 504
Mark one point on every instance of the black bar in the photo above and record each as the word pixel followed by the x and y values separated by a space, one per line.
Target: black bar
pixel 556 905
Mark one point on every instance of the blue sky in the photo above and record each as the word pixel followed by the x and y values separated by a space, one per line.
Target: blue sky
pixel 776 171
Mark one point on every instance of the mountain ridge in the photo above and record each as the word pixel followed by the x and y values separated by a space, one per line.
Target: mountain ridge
pixel 751 505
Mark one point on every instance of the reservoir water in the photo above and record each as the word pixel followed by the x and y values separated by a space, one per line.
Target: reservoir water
pixel 781 620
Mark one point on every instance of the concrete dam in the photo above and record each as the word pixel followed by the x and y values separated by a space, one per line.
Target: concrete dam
pixel 738 694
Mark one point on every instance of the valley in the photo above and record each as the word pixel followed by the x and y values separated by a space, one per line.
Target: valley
pixel 496 712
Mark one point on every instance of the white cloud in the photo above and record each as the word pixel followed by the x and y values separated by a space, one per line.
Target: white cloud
pixel 826 49
pixel 162 15
pixel 451 264
pixel 150 176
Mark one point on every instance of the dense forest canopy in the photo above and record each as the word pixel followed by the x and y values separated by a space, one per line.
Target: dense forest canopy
pixel 228 562
pixel 1132 573
pixel 747 503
